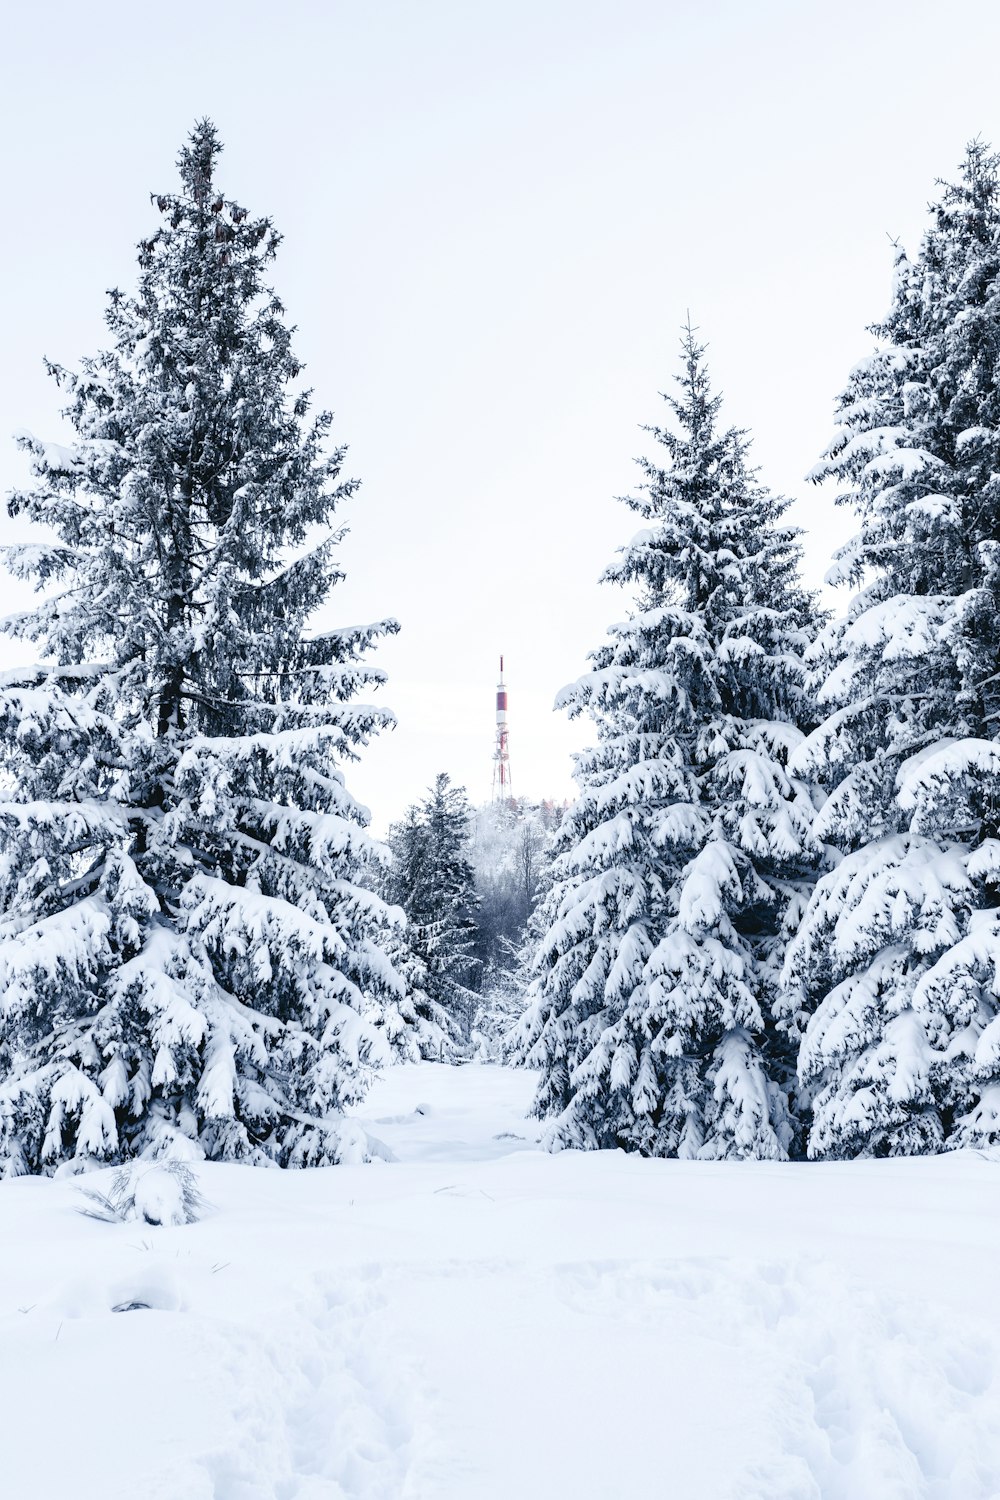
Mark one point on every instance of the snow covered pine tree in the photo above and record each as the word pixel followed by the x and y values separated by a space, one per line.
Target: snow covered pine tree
pixel 433 881
pixel 190 960
pixel 895 975
pixel 426 1028
pixel 687 858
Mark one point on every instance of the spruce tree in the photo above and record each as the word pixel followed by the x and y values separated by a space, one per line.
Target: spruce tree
pixel 418 1026
pixel 191 957
pixel 434 884
pixel 892 979
pixel 684 863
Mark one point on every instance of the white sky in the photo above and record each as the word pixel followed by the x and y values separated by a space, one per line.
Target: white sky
pixel 496 219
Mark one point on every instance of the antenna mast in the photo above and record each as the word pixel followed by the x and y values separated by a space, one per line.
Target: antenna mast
pixel 502 790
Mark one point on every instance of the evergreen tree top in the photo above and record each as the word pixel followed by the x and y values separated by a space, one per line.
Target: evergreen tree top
pixel 916 454
pixel 697 408
pixel 195 451
pixel 714 520
pixel 970 202
pixel 714 575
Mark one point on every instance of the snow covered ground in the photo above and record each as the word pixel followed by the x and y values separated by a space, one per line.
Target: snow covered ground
pixel 481 1321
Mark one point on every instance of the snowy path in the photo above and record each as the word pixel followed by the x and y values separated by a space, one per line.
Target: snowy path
pixel 481 1321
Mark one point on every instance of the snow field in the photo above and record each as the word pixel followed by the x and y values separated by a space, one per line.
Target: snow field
pixel 480 1320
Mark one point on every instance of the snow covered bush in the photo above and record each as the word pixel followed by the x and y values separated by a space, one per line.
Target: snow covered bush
pixel 685 863
pixel 164 1192
pixel 191 954
pixel 893 979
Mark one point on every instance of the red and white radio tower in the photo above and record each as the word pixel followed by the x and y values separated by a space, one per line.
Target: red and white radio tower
pixel 502 791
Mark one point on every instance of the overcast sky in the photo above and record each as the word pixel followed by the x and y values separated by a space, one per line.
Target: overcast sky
pixel 496 219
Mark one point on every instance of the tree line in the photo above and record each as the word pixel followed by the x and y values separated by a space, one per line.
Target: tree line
pixel 775 923
pixel 769 925
pixel 467 882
